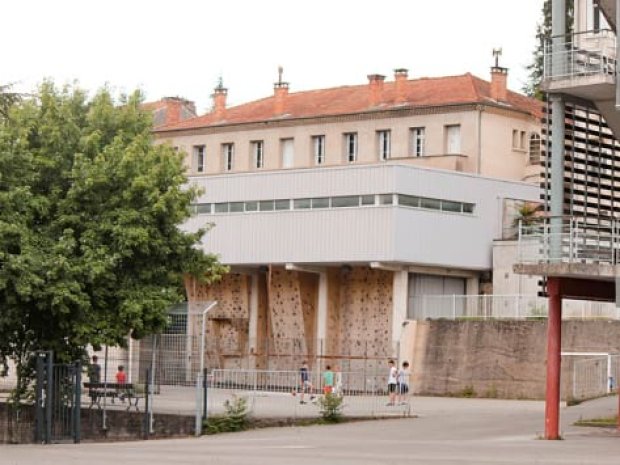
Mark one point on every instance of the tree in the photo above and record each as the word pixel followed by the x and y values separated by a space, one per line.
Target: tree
pixel 90 208
pixel 543 33
pixel 7 100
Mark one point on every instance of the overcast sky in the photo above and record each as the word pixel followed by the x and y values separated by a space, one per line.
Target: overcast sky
pixel 180 47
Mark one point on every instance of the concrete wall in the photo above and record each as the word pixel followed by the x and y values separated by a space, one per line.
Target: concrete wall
pixel 498 358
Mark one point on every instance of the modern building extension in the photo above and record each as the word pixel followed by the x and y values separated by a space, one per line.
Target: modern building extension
pixel 337 209
pixel 576 247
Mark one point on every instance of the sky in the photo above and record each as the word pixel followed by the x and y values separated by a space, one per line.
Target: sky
pixel 182 47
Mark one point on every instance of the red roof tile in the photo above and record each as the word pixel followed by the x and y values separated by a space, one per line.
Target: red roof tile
pixel 424 92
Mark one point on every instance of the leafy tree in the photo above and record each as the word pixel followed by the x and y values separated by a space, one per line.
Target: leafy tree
pixel 90 208
pixel 7 100
pixel 543 32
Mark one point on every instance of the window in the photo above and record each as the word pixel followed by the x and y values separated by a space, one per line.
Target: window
pixel 417 142
pixel 368 199
pixel 453 139
pixel 408 200
pixel 386 199
pixel 199 157
pixel 283 204
pixel 432 204
pixel 203 208
pixel 350 146
pixel 251 206
pixel 534 151
pixel 346 201
pixel 318 143
pixel 515 139
pixel 228 153
pixel 265 205
pixel 258 154
pixel 384 141
pixel 522 137
pixel 236 207
pixel 288 153
pixel 221 207
pixel 301 204
pixel 448 206
pixel 321 202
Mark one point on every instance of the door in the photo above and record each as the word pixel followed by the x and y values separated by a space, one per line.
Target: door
pixel 432 296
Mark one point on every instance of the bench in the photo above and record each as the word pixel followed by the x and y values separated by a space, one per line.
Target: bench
pixel 99 391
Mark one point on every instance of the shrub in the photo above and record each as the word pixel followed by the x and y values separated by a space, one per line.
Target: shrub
pixel 235 418
pixel 330 408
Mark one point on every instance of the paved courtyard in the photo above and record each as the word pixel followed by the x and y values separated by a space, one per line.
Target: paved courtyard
pixel 447 431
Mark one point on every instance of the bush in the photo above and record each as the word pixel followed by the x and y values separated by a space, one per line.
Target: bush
pixel 330 408
pixel 235 418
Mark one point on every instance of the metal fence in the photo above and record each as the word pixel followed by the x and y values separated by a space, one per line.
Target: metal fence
pixel 593 375
pixel 569 240
pixel 516 307
pixel 282 394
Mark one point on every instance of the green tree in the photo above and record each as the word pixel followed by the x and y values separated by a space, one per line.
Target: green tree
pixel 90 208
pixel 543 32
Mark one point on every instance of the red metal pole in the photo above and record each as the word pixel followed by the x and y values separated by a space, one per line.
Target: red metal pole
pixel 554 343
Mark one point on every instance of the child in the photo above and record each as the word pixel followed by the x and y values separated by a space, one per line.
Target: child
pixel 403 383
pixel 392 383
pixel 328 380
pixel 305 382
pixel 121 376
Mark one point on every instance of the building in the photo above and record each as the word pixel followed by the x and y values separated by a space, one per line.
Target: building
pixel 340 209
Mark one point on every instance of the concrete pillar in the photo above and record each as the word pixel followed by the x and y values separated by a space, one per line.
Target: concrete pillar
pixel 472 288
pixel 400 289
pixel 321 316
pixel 253 321
pixel 554 344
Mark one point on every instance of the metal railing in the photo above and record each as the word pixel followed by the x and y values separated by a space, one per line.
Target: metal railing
pixel 586 53
pixel 593 375
pixel 281 394
pixel 514 307
pixel 568 240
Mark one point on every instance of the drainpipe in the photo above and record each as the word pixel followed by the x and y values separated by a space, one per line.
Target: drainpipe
pixel 479 171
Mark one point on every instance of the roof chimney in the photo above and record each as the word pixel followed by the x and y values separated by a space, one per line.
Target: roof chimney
pixel 499 76
pixel 400 79
pixel 280 91
pixel 219 100
pixel 375 87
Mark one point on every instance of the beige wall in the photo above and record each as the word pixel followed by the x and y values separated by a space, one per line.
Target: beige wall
pixel 485 134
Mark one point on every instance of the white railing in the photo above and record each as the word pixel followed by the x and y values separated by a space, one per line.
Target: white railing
pixel 568 240
pixel 581 54
pixel 281 394
pixel 516 307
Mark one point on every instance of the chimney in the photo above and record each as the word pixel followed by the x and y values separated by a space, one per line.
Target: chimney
pixel 499 76
pixel 400 83
pixel 280 91
pixel 219 100
pixel 375 88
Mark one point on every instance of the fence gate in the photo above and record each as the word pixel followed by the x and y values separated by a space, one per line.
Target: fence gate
pixel 58 393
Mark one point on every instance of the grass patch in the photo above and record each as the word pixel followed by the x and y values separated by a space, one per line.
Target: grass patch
pixel 603 422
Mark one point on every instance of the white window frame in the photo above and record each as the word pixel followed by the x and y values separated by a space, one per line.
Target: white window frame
pixel 284 143
pixel 318 145
pixel 453 146
pixel 228 156
pixel 384 141
pixel 258 154
pixel 199 157
pixel 350 147
pixel 418 136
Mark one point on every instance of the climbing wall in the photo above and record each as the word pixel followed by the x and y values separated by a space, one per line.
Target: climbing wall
pixel 227 324
pixel 365 316
pixel 309 290
pixel 331 345
pixel 286 318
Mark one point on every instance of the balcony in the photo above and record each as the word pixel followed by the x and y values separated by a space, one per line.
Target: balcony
pixel 569 247
pixel 581 64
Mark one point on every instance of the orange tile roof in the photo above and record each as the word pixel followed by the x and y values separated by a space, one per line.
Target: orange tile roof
pixel 424 92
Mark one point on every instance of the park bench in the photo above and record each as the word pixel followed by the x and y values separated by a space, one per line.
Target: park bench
pixel 127 391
